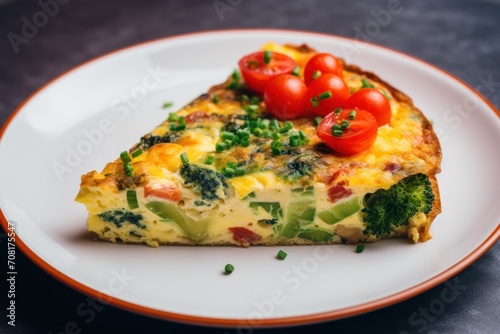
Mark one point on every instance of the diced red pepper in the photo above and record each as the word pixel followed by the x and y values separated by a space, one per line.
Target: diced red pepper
pixel 244 236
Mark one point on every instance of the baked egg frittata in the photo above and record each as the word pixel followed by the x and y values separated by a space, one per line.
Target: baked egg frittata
pixel 223 171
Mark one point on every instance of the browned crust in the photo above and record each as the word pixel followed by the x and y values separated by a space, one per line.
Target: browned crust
pixel 436 209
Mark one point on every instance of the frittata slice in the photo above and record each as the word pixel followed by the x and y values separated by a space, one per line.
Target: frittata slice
pixel 223 171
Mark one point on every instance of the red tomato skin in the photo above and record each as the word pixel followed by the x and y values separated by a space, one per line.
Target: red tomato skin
pixel 373 101
pixel 327 82
pixel 244 236
pixel 325 63
pixel 359 137
pixel 285 97
pixel 168 191
pixel 258 78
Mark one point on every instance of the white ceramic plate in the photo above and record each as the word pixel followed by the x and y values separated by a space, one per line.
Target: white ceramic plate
pixel 79 121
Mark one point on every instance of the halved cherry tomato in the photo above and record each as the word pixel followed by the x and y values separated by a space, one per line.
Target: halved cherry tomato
pixel 169 191
pixel 325 63
pixel 327 93
pixel 285 97
pixel 373 101
pixel 357 136
pixel 257 73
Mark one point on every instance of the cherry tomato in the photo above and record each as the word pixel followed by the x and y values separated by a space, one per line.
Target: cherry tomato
pixel 257 72
pixel 327 93
pixel 357 136
pixel 325 63
pixel 285 97
pixel 373 101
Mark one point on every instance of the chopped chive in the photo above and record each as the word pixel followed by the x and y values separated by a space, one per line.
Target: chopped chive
pixel 227 135
pixel 235 75
pixel 167 105
pixel 173 117
pixel 227 171
pixel 337 111
pixel 125 157
pixel 245 142
pixel 209 160
pixel 244 97
pixel 360 248
pixel 215 99
pixel 220 146
pixel 253 64
pixel 253 124
pixel 254 100
pixel 173 126
pixel 274 124
pixel 325 95
pixel 235 141
pixel 316 74
pixel 294 133
pixel 232 164
pixel 267 134
pixel 243 134
pixel 336 127
pixel 385 94
pixel 132 199
pixel 317 120
pixel 229 268
pixel 294 141
pixel 337 133
pixel 275 135
pixel 251 109
pixel 275 143
pixel 281 255
pixel 276 151
pixel 302 135
pixel 296 71
pixel 128 169
pixel 366 84
pixel 286 127
pixel 239 171
pixel 257 132
pixel 184 158
pixel 267 56
pixel 180 127
pixel 345 124
pixel 314 101
pixel 352 115
pixel 137 153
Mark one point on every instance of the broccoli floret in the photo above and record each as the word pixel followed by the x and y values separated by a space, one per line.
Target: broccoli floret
pixel 296 167
pixel 149 140
pixel 206 181
pixel 118 217
pixel 386 209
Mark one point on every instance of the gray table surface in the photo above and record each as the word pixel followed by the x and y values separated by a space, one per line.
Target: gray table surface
pixel 462 37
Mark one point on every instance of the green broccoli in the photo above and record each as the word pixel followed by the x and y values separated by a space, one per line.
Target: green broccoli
pixel 149 140
pixel 118 217
pixel 207 182
pixel 386 209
